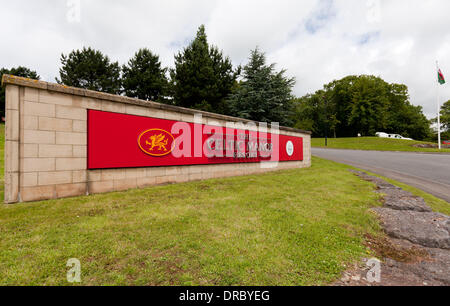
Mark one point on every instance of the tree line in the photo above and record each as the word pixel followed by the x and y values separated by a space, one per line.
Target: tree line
pixel 204 78
pixel 363 105
pixel 445 121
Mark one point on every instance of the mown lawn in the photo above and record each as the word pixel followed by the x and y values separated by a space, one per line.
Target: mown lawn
pixel 295 227
pixel 373 143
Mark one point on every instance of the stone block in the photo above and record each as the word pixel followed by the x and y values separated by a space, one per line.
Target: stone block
pixel 54 124
pixel 38 164
pixel 74 113
pixel 38 109
pixel 113 174
pixel 187 118
pixel 172 116
pixel 79 151
pixel 136 110
pixel 113 107
pixel 38 137
pixel 165 179
pixel 195 176
pixel 87 103
pixel 100 187
pixel 71 164
pixel 94 175
pixel 79 176
pixel 11 187
pixel 155 171
pixel 70 190
pixel 50 97
pixel 174 170
pixel 145 181
pixel 31 94
pixel 12 97
pixel 37 193
pixel 135 173
pixel 29 150
pixel 11 156
pixel 12 125
pixel 80 126
pixel 71 138
pixel 156 113
pixel 121 185
pixel 30 122
pixel 55 150
pixel 29 179
pixel 54 178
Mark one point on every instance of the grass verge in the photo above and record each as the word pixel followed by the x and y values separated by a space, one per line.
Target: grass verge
pixel 374 143
pixel 436 204
pixel 294 227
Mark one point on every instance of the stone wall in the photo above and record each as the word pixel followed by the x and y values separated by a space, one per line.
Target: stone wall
pixel 46 143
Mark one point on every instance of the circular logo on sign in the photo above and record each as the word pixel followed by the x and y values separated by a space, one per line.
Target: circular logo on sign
pixel 156 142
pixel 289 148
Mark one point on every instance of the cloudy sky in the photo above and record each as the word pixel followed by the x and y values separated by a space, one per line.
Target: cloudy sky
pixel 317 41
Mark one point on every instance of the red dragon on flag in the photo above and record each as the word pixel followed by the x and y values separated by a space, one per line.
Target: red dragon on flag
pixel 441 78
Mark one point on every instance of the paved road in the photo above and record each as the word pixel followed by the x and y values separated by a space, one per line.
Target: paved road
pixel 429 172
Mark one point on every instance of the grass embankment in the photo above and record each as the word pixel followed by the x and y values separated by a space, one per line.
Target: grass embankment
pixel 374 143
pixel 294 227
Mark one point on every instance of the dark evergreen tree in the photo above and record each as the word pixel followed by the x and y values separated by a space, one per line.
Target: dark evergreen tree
pixel 263 95
pixel 144 78
pixel 90 69
pixel 202 77
pixel 19 71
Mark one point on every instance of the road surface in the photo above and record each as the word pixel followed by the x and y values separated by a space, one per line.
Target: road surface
pixel 429 172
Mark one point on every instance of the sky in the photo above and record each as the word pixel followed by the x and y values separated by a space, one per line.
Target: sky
pixel 316 41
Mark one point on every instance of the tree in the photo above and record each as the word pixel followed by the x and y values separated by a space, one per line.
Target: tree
pixel 19 71
pixel 202 77
pixel 445 115
pixel 362 104
pixel 90 69
pixel 144 78
pixel 263 95
pixel 445 121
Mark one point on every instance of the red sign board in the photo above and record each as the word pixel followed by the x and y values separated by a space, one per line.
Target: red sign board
pixel 128 141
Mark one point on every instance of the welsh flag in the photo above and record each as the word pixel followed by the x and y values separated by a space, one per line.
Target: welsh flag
pixel 441 78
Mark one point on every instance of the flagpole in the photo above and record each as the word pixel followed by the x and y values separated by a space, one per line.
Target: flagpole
pixel 438 107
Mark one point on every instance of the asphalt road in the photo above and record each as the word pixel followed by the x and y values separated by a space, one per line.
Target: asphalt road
pixel 429 172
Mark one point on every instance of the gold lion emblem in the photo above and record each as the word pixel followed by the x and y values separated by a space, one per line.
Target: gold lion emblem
pixel 157 141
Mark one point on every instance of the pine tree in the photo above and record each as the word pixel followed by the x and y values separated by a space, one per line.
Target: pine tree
pixel 264 95
pixel 90 69
pixel 144 78
pixel 19 71
pixel 202 77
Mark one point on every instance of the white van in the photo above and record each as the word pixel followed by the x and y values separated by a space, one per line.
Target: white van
pixel 394 136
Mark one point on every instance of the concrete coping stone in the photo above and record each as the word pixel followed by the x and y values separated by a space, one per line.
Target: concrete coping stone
pixel 26 82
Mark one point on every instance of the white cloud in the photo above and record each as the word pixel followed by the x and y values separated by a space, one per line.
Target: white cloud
pixel 316 41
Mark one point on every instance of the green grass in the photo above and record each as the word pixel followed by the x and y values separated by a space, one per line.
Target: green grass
pixel 373 143
pixel 294 227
